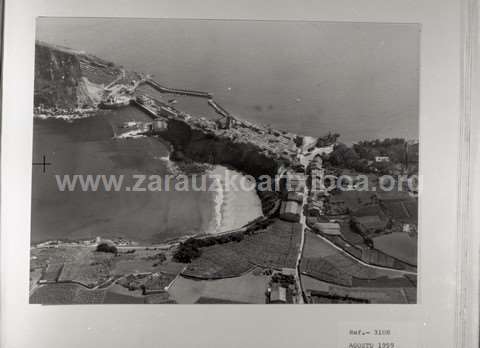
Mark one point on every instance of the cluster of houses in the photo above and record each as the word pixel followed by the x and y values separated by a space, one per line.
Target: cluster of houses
pixel 292 205
pixel 316 207
pixel 282 287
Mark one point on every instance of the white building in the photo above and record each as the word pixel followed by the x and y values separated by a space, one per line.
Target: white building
pixel 382 159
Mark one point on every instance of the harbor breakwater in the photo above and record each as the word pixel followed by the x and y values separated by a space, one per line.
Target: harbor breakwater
pixel 243 146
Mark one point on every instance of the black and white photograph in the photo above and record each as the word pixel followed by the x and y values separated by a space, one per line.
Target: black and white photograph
pixel 240 174
pixel 188 161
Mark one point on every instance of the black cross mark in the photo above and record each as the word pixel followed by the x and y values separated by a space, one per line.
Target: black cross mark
pixel 44 163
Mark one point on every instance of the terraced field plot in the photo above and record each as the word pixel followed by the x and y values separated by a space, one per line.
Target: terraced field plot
pixel 218 261
pixel 316 247
pixel 384 295
pixel 52 272
pixel 323 265
pixel 276 247
pixel 89 274
pixel 370 210
pixel 398 290
pixel 248 288
pixel 116 298
pixel 310 283
pixel 150 282
pixel 163 298
pixel 318 268
pixel 354 268
pixel 41 256
pixel 399 245
pixel 66 294
pixel 349 234
pixel 402 210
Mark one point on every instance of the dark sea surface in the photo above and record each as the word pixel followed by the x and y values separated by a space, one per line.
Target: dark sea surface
pixel 85 147
pixel 360 80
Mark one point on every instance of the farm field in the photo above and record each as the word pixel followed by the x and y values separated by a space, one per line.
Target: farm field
pixel 383 295
pixel 401 292
pixel 323 264
pixel 133 265
pixel 112 297
pixel 320 269
pixel 354 268
pixel 52 272
pixel 399 245
pixel 162 298
pixel 149 282
pixel 405 210
pixel 275 247
pixel 117 274
pixel 354 199
pixel 140 261
pixel 58 255
pixel 248 288
pixel 310 283
pixel 316 247
pixel 369 210
pixel 35 276
pixel 89 274
pixel 62 293
pixel 349 235
pixel 319 253
pixel 218 261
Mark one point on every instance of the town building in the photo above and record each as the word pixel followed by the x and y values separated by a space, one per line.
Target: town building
pixel 295 196
pixel 290 211
pixel 314 166
pixel 296 183
pixel 315 208
pixel 159 124
pixel 317 160
pixel 278 294
pixel 382 159
pixel 314 211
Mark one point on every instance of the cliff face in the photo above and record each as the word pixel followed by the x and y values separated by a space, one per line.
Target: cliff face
pixel 57 76
pixel 202 146
pixel 67 79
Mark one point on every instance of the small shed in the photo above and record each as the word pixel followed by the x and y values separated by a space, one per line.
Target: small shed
pixel 330 228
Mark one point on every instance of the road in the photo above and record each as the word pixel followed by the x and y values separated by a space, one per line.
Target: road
pixel 305 159
pixel 303 222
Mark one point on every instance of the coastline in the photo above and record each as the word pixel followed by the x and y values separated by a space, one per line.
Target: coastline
pixel 233 208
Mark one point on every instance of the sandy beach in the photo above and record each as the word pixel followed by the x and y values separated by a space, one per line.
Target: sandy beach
pixel 235 203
